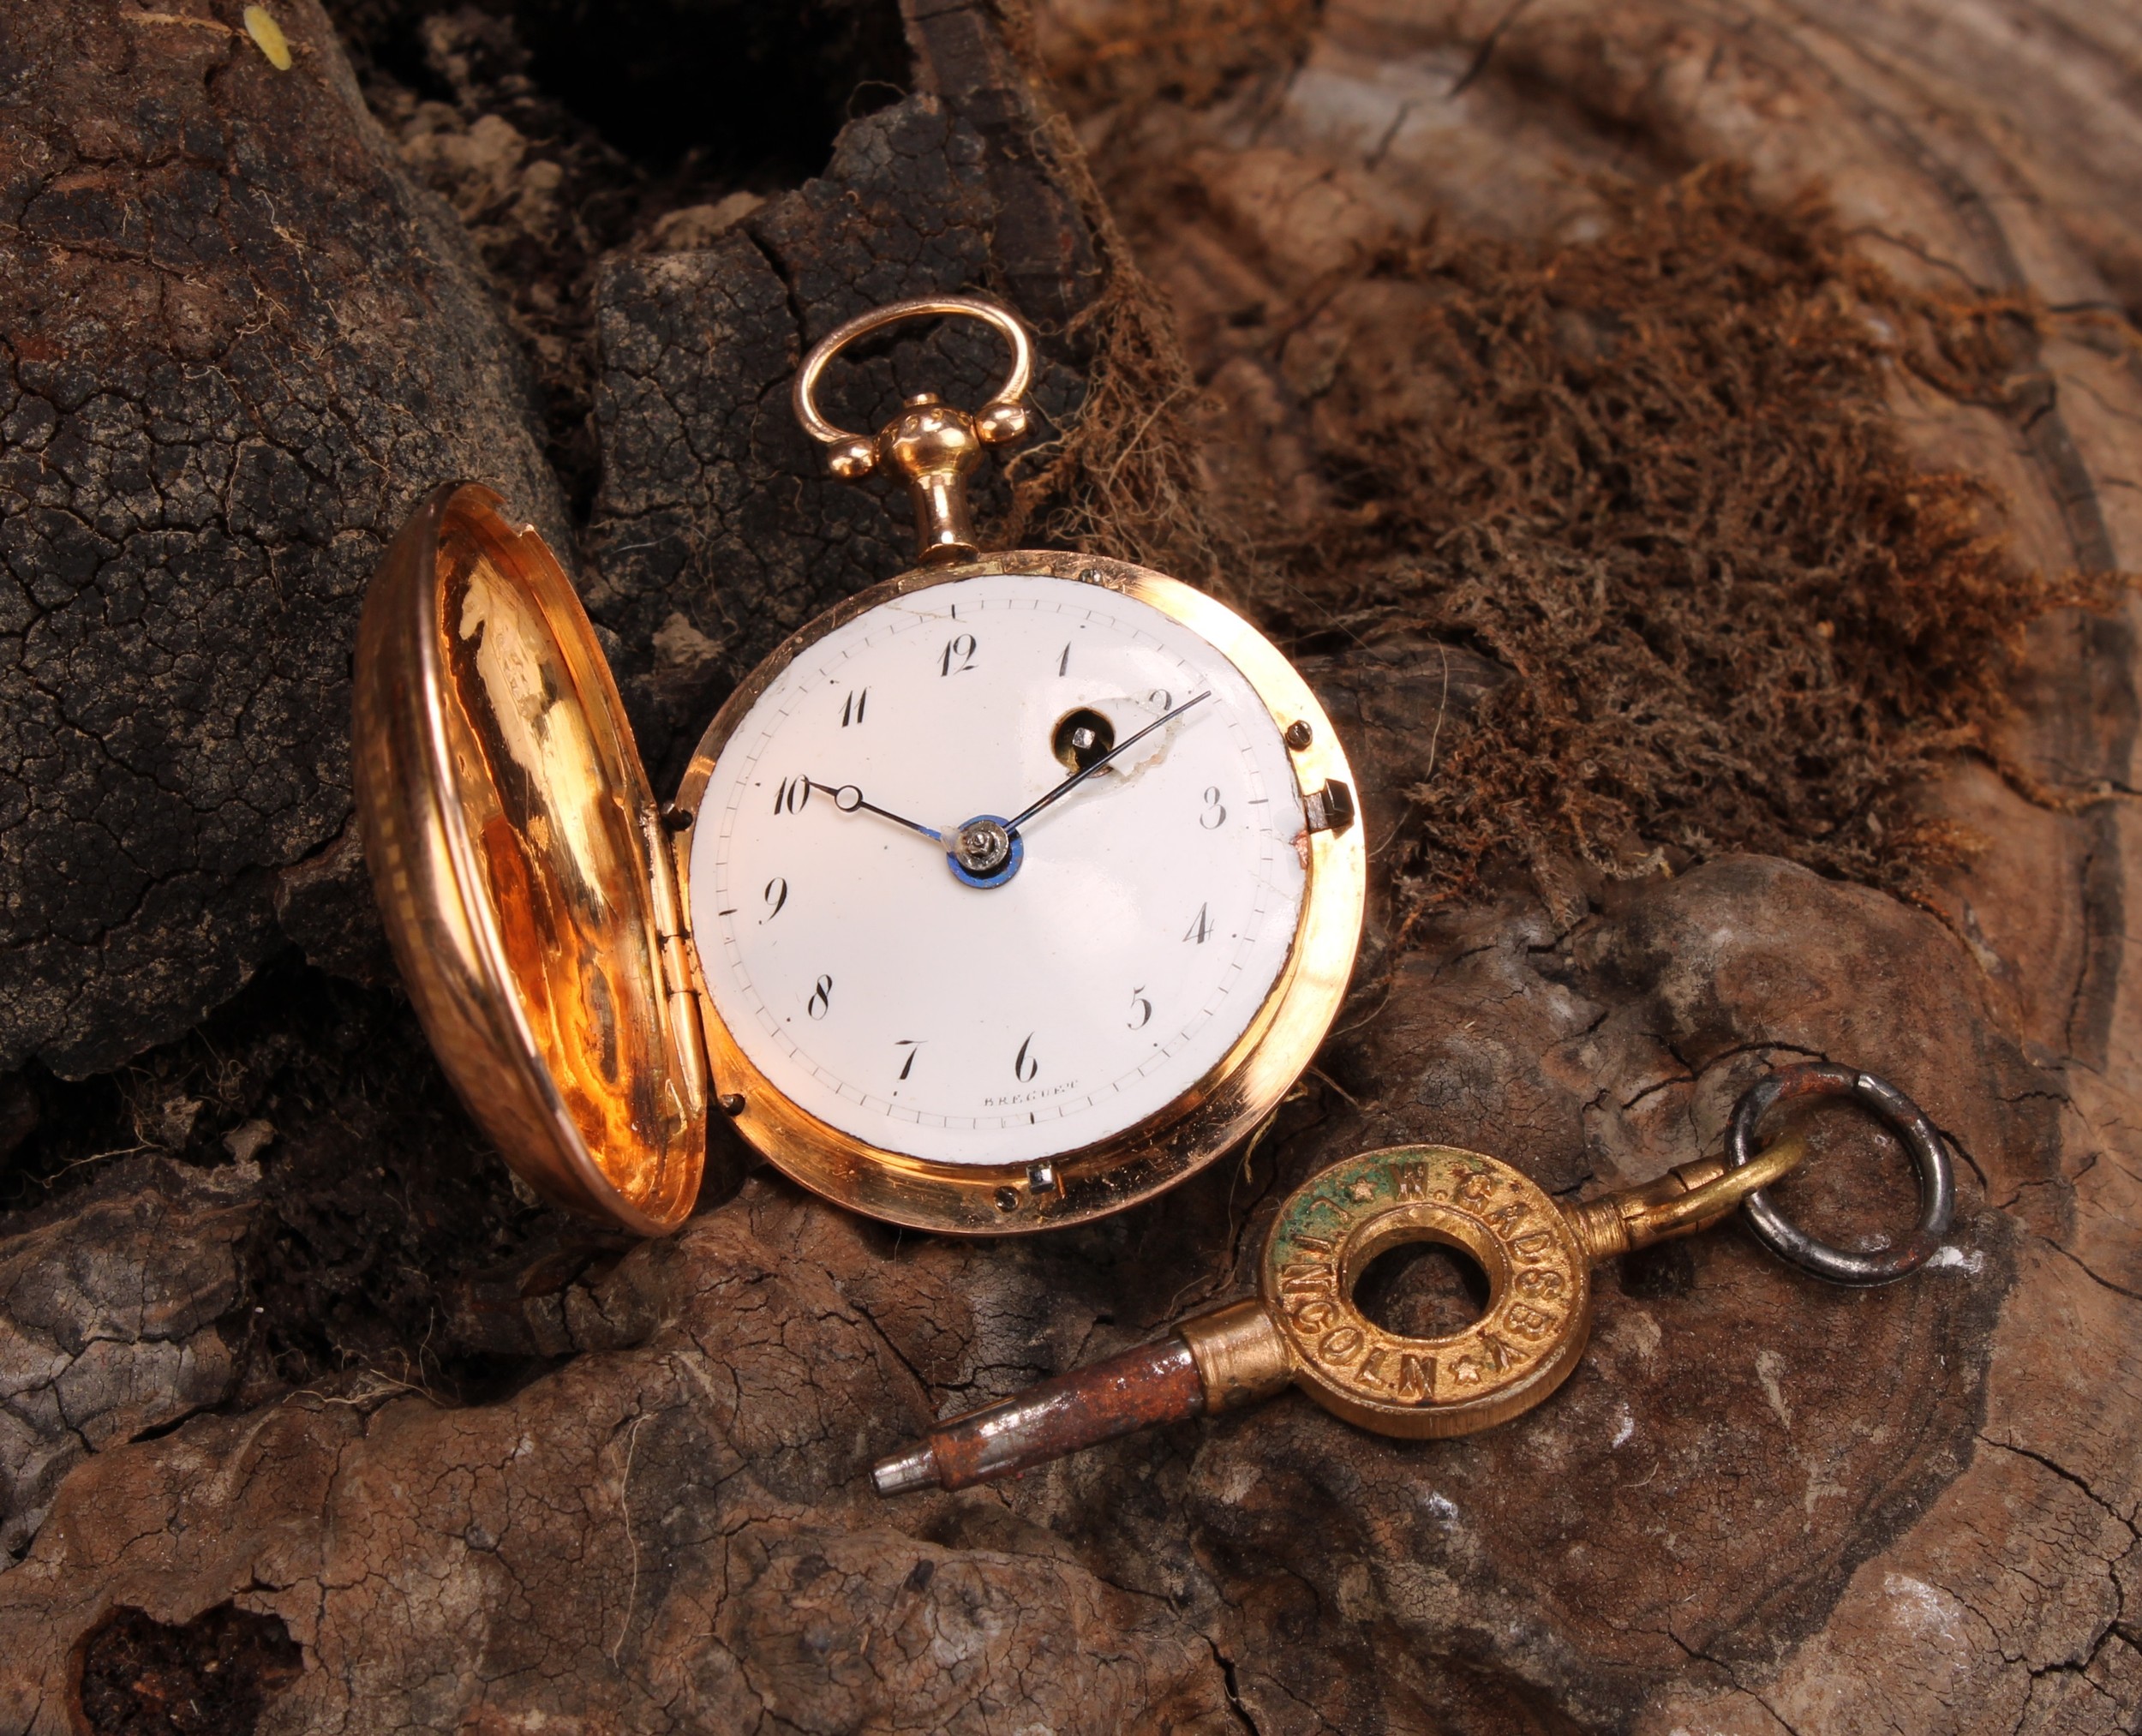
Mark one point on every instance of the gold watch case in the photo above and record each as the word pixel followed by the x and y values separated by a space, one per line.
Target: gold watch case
pixel 537 898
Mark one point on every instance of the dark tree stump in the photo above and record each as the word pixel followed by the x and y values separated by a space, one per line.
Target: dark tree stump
pixel 239 343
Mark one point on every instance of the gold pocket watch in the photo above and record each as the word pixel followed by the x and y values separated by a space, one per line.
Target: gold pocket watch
pixel 1002 895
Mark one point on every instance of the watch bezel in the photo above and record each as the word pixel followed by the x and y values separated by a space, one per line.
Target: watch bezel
pixel 1195 1127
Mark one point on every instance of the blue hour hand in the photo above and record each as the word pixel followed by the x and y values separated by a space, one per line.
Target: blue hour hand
pixel 848 798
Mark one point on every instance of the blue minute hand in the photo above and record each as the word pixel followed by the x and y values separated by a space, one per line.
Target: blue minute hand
pixel 1080 776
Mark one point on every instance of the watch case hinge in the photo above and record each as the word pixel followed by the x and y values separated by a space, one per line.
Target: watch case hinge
pixel 1329 808
pixel 678 959
pixel 681 974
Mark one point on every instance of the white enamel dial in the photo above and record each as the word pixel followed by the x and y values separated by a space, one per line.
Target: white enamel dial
pixel 1151 911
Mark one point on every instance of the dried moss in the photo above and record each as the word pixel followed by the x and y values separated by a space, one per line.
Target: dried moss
pixel 1122 477
pixel 1653 473
pixel 1137 52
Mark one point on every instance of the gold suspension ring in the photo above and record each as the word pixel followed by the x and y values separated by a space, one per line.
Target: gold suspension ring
pixel 1004 417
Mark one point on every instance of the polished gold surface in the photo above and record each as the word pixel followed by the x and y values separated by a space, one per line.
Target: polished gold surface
pixel 522 869
pixel 1539 1307
pixel 1246 1084
pixel 932 445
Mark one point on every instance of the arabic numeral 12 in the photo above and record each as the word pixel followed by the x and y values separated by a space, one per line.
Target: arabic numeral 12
pixel 958 655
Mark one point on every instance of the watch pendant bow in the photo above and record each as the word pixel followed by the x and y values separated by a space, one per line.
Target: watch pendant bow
pixel 1003 894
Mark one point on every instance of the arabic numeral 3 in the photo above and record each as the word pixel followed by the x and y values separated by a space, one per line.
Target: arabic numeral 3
pixel 821 1000
pixel 1026 1067
pixel 791 797
pixel 1214 815
pixel 958 655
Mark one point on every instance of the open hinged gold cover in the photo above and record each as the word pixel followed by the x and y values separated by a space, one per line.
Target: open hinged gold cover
pixel 521 864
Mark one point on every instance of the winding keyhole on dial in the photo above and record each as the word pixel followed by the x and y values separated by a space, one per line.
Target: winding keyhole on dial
pixel 1081 737
pixel 1422 1289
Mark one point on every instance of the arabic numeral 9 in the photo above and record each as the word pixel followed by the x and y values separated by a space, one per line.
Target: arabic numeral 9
pixel 776 895
pixel 821 1000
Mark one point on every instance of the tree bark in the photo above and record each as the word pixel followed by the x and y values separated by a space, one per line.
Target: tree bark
pixel 625 1487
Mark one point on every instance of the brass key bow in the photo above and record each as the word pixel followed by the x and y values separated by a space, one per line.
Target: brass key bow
pixel 1303 1327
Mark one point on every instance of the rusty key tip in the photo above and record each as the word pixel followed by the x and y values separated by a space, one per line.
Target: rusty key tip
pixel 898 1472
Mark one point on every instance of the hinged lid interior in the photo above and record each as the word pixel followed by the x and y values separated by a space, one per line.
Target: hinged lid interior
pixel 520 865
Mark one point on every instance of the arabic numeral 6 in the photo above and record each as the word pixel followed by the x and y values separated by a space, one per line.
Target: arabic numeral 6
pixel 1026 1067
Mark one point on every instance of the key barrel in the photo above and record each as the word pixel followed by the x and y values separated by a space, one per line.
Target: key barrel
pixel 1153 1383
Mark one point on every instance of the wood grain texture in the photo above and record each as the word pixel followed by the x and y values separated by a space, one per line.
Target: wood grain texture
pixel 1987 149
pixel 1760 1506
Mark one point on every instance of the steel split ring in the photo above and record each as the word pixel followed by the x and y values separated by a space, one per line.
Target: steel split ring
pixel 1930 1156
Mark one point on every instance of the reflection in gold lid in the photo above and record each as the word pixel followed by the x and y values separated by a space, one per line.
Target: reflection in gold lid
pixel 520 867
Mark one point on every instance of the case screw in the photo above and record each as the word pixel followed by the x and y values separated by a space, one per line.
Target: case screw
pixel 1299 734
pixel 730 1102
pixel 676 819
pixel 1007 1199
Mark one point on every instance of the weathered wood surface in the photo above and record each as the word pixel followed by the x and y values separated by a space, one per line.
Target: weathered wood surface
pixel 1760 1504
pixel 236 337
